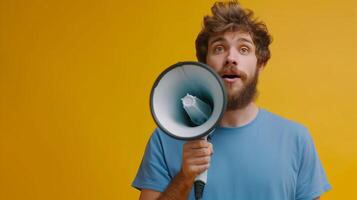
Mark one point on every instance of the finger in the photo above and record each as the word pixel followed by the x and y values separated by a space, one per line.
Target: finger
pixel 211 147
pixel 200 168
pixel 199 152
pixel 195 144
pixel 200 160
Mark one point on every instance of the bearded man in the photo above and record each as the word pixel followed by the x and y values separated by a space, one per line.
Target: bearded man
pixel 258 155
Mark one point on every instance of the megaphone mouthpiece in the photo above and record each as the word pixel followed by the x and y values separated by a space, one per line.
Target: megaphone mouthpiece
pixel 196 109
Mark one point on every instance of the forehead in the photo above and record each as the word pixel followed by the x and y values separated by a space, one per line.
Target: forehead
pixel 231 36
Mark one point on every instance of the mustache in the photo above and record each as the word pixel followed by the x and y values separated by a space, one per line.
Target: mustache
pixel 233 70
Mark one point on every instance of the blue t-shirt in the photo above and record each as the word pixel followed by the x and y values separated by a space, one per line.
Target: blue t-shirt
pixel 269 158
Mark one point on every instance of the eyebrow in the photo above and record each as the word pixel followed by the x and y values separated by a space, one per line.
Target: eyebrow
pixel 219 39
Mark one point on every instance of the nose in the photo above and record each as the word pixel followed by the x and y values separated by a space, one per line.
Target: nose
pixel 232 57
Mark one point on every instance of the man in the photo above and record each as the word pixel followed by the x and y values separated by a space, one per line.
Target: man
pixel 257 154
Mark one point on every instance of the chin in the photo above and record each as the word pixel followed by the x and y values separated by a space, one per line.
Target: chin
pixel 231 92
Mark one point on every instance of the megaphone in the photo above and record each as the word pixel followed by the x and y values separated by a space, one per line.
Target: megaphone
pixel 182 93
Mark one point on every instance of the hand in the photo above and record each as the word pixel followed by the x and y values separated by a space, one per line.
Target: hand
pixel 196 158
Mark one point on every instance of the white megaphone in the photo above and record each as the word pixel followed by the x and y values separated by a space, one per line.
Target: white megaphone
pixel 187 101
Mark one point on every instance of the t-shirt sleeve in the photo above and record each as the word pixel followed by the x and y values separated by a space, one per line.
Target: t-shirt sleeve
pixel 311 181
pixel 153 171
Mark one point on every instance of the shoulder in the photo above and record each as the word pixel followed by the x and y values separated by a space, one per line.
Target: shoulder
pixel 159 139
pixel 159 136
pixel 283 125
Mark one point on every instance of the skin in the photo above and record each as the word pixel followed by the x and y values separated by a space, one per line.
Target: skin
pixel 228 53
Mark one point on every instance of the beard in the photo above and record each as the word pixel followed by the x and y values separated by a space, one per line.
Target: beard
pixel 245 96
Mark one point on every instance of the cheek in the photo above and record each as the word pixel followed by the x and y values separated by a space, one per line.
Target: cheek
pixel 214 62
pixel 251 62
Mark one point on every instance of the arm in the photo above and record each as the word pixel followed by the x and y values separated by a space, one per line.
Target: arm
pixel 179 188
pixel 311 177
pixel 196 158
pixel 149 194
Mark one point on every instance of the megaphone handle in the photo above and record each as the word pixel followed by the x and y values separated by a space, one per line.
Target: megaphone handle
pixel 202 177
pixel 199 185
pixel 200 182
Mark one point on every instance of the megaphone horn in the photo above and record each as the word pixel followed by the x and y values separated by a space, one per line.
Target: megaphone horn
pixel 194 81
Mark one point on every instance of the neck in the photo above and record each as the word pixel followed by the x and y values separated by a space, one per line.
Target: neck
pixel 240 117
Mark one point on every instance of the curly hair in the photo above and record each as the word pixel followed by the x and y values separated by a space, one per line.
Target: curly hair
pixel 230 16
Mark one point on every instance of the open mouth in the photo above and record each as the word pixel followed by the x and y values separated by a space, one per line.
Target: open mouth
pixel 230 78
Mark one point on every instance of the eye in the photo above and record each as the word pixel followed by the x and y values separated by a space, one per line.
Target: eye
pixel 244 50
pixel 218 49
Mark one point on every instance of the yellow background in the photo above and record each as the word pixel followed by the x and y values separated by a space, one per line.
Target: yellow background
pixel 75 78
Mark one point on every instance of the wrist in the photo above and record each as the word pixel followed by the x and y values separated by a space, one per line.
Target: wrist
pixel 185 179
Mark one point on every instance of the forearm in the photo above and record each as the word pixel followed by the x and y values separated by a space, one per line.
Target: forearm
pixel 179 188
